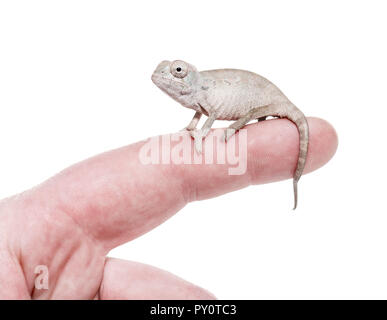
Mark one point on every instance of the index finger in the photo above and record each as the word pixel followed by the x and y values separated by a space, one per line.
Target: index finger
pixel 114 197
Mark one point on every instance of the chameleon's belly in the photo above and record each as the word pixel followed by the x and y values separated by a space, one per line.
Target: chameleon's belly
pixel 234 104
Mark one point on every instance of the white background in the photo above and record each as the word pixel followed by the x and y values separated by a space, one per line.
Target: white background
pixel 75 81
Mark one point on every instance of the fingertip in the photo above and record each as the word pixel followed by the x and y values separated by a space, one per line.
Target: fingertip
pixel 323 143
pixel 274 148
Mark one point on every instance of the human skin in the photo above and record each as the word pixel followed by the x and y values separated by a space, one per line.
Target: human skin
pixel 70 222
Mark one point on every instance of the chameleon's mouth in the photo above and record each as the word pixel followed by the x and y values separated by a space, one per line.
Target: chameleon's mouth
pixel 156 78
pixel 168 82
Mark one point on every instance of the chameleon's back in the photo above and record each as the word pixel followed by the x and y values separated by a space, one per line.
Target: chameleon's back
pixel 232 92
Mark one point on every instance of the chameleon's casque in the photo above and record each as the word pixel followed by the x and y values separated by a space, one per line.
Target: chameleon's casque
pixel 229 94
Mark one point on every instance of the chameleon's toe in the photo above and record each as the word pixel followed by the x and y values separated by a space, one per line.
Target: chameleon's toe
pixel 228 133
pixel 198 144
pixel 198 140
pixel 193 133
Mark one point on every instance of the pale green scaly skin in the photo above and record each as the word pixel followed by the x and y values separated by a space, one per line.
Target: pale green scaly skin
pixel 229 94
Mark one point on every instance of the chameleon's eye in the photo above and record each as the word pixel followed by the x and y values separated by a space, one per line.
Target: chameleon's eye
pixel 179 69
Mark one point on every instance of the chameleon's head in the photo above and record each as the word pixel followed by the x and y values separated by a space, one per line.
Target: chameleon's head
pixel 178 79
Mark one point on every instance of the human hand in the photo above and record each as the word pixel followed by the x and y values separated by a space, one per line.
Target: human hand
pixel 70 222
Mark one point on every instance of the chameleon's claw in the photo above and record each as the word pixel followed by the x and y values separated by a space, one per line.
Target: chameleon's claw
pixel 228 133
pixel 193 133
pixel 198 140
pixel 198 145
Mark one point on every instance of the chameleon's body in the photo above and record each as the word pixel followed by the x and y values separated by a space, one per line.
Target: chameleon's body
pixel 229 94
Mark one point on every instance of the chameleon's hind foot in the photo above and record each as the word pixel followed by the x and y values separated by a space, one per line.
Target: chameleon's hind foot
pixel 228 133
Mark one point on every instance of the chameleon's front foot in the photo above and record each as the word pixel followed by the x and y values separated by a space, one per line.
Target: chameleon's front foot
pixel 198 139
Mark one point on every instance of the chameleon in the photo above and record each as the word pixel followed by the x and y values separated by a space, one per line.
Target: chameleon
pixel 230 94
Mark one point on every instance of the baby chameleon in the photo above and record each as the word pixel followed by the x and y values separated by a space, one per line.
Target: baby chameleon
pixel 229 94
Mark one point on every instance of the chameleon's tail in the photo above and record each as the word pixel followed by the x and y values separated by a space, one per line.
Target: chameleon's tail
pixel 302 125
pixel 294 115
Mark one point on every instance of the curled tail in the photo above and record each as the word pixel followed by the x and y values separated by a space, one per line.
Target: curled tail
pixel 299 119
pixel 286 110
